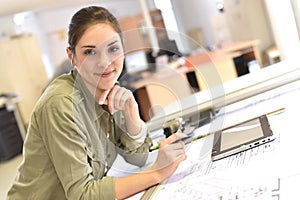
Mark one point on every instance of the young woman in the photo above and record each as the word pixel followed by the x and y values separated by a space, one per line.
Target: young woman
pixel 84 119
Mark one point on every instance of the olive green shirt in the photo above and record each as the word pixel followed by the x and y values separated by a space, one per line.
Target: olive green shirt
pixel 71 143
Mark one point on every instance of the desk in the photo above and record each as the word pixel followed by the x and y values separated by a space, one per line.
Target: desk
pixel 247 48
pixel 222 65
pixel 201 72
pixel 157 90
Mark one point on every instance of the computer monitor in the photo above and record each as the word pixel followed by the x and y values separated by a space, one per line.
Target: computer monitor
pixel 169 47
pixel 136 62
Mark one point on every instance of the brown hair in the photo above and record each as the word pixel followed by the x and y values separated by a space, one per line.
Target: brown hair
pixel 87 17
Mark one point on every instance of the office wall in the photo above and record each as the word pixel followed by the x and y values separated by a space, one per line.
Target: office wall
pixel 285 29
pixel 244 19
pixel 195 14
pixel 249 20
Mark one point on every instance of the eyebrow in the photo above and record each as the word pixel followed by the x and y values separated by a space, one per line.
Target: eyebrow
pixel 93 46
pixel 88 46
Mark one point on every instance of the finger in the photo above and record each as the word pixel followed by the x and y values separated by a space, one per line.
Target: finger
pixel 174 156
pixel 124 97
pixel 110 99
pixel 174 137
pixel 181 158
pixel 118 98
pixel 177 148
pixel 103 99
pixel 128 100
pixel 176 145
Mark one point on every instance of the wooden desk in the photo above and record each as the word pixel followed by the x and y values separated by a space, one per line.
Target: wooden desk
pixel 242 53
pixel 211 68
pixel 200 72
pixel 157 90
pixel 216 67
pixel 244 48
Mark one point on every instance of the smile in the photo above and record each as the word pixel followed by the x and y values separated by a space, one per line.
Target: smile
pixel 105 74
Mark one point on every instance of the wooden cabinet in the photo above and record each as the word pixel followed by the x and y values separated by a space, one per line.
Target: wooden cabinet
pixel 22 71
pixel 135 34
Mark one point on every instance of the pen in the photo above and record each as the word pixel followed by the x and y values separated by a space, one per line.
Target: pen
pixel 186 140
pixel 154 146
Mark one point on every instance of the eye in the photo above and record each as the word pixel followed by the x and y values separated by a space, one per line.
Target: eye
pixel 113 49
pixel 89 52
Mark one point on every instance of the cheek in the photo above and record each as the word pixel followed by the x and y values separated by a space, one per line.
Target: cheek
pixel 86 64
pixel 79 61
pixel 119 64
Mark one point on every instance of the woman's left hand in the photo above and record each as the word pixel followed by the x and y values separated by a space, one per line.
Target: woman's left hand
pixel 120 98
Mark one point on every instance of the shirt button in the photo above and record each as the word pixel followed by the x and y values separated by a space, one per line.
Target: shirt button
pixel 108 156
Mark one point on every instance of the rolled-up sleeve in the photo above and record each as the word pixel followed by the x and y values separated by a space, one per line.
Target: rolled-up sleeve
pixel 134 150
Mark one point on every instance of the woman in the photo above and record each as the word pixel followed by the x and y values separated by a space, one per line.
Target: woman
pixel 84 119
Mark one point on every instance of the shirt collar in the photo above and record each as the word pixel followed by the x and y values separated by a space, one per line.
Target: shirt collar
pixel 91 105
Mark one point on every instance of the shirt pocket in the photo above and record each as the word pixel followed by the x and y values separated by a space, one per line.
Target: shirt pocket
pixel 96 163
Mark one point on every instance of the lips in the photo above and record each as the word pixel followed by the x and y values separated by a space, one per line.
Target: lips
pixel 105 74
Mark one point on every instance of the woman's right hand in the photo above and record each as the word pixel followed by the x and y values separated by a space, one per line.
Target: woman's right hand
pixel 170 154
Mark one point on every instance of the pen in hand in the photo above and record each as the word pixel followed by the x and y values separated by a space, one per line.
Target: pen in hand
pixel 182 138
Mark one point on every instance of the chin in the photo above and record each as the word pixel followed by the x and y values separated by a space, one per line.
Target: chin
pixel 106 85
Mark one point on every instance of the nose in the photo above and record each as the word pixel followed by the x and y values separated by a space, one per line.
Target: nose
pixel 104 61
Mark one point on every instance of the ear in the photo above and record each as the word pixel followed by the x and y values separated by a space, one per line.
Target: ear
pixel 70 56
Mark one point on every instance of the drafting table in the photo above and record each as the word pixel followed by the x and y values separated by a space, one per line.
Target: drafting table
pixel 267 172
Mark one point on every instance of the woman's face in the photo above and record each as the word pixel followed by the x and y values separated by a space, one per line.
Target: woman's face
pixel 99 56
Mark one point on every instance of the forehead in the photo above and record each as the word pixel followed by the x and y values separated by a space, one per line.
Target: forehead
pixel 98 34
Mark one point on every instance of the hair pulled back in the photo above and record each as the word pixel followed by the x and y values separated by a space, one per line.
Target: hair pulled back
pixel 87 17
